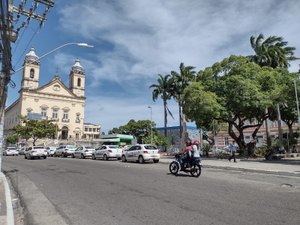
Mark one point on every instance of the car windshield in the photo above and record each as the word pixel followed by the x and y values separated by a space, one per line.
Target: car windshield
pixel 71 146
pixel 38 147
pixel 11 148
pixel 150 147
pixel 88 148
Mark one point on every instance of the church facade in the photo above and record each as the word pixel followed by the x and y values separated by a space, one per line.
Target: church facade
pixel 52 101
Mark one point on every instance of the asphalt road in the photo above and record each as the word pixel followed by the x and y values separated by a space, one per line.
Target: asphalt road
pixel 88 192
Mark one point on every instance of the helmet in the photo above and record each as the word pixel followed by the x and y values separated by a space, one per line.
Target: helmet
pixel 196 142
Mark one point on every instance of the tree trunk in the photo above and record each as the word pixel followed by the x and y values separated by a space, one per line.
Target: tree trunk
pixel 165 118
pixel 269 143
pixel 165 121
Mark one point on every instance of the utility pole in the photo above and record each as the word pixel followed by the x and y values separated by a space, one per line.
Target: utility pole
pixel 10 15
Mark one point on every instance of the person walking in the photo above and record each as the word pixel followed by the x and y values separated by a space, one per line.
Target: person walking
pixel 233 149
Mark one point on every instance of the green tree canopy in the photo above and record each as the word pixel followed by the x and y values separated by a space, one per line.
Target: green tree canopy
pixel 141 129
pixel 235 91
pixel 12 139
pixel 35 129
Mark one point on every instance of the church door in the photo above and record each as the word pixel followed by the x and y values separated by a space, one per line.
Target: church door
pixel 64 133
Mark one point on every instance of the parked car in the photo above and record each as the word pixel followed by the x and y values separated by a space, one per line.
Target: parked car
pixel 11 151
pixel 22 151
pixel 107 152
pixel 51 150
pixel 36 152
pixel 83 152
pixel 141 153
pixel 65 150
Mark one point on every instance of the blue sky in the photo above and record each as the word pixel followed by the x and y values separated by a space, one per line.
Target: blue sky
pixel 137 39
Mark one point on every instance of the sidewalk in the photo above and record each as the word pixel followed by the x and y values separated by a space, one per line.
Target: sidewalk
pixel 6 210
pixel 290 167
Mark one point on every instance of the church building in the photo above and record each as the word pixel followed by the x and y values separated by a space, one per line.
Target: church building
pixel 52 101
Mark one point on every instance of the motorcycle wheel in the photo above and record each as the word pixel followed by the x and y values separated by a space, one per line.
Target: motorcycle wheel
pixel 174 167
pixel 196 170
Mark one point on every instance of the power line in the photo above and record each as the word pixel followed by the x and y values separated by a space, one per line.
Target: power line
pixel 9 34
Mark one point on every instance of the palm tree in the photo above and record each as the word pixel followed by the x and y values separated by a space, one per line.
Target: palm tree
pixel 179 82
pixel 162 89
pixel 271 52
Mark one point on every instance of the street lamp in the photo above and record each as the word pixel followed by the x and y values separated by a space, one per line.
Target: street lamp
pixel 55 49
pixel 149 107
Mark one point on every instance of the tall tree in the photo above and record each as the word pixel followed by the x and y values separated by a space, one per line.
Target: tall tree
pixel 180 81
pixel 234 91
pixel 162 89
pixel 272 52
pixel 35 129
pixel 275 53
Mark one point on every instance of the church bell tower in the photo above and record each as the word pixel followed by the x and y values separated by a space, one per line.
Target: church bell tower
pixel 77 79
pixel 31 71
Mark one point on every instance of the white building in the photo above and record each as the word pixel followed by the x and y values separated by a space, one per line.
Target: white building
pixel 53 101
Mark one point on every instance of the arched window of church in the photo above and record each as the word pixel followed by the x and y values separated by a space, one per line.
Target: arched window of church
pixel 78 82
pixel 31 73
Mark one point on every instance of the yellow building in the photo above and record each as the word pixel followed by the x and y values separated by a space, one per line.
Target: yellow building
pixel 52 101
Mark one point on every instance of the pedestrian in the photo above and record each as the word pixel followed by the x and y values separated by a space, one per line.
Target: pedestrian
pixel 232 148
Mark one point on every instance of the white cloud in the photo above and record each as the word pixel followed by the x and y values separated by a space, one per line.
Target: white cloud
pixel 137 39
pixel 111 112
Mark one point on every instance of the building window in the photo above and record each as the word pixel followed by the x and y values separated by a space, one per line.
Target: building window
pixel 78 82
pixel 31 73
pixel 77 117
pixel 66 115
pixel 44 112
pixel 226 141
pixel 55 114
pixel 86 129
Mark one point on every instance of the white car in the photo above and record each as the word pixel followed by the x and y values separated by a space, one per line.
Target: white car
pixel 51 150
pixel 11 151
pixel 36 152
pixel 141 153
pixel 107 152
pixel 83 152
pixel 65 150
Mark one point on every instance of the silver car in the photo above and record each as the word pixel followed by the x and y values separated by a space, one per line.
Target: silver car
pixel 83 152
pixel 36 152
pixel 11 151
pixel 65 150
pixel 107 152
pixel 51 150
pixel 141 153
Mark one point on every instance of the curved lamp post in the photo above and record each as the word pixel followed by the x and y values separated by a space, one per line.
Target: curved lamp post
pixel 55 49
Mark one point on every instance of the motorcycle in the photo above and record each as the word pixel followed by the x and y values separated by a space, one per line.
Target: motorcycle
pixel 193 166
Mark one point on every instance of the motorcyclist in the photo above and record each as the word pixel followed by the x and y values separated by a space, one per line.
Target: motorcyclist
pixel 186 153
pixel 195 153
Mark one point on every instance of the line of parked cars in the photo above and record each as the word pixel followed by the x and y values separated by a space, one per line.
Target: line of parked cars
pixel 138 153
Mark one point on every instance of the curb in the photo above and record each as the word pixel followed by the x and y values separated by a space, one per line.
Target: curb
pixel 9 208
pixel 285 173
pixel 294 174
